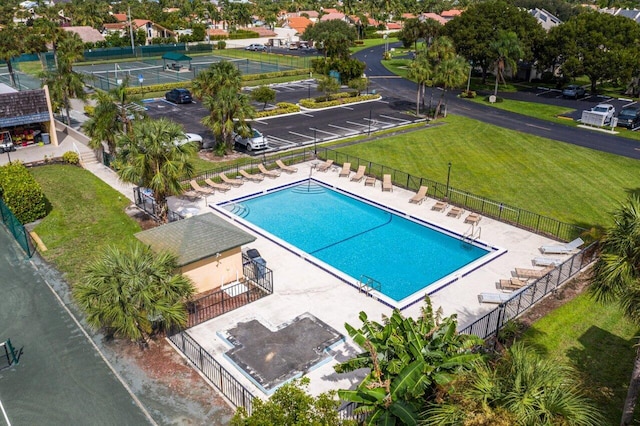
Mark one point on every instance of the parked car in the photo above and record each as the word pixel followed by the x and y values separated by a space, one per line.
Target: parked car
pixel 256 141
pixel 629 117
pixel 573 91
pixel 293 45
pixel 190 137
pixel 6 143
pixel 607 110
pixel 256 47
pixel 179 96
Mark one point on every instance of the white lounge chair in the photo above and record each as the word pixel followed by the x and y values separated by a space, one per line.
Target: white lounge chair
pixel 325 166
pixel 268 173
pixel 548 261
pixel 285 168
pixel 249 176
pixel 420 195
pixel 562 248
pixel 495 297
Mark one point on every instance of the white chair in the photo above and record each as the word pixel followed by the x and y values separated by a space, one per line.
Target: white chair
pixel 495 297
pixel 563 248
pixel 548 261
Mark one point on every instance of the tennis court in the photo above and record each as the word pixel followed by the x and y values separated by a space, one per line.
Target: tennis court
pixel 149 72
pixel 23 81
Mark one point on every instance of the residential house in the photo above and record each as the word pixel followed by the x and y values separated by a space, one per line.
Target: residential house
pixel 152 30
pixel 298 23
pixel 87 34
pixel 450 14
pixel 430 15
pixel 546 19
pixel 633 14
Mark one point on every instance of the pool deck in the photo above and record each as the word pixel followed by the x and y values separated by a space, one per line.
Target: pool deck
pixel 301 287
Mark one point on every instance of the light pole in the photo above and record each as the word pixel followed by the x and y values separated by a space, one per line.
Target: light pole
pixel 309 90
pixel 369 132
pixel 9 155
pixel 446 196
pixel 315 148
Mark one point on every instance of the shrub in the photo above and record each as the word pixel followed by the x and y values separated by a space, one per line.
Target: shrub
pixel 222 45
pixel 22 194
pixel 281 108
pixel 89 110
pixel 348 68
pixel 71 157
pixel 468 94
pixel 312 104
pixel 242 34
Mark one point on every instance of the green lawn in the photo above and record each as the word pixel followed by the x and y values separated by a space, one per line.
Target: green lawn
pixel 559 180
pixel 595 339
pixel 370 42
pixel 398 66
pixel 86 215
pixel 531 109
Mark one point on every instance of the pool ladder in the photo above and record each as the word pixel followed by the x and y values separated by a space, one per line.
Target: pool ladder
pixel 472 234
pixel 367 284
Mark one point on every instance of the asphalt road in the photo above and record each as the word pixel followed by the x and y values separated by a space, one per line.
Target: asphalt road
pixel 396 89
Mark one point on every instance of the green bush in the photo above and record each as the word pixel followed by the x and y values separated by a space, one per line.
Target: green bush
pixel 71 157
pixel 348 68
pixel 89 110
pixel 242 34
pixel 22 194
pixel 281 108
pixel 222 45
pixel 468 94
pixel 311 103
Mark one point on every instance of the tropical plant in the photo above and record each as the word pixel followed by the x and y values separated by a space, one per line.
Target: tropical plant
pixel 263 94
pixel 134 293
pixel 359 84
pixel 229 112
pixel 615 278
pixel 328 85
pixel 15 40
pixel 292 405
pixel 408 359
pixel 519 387
pixel 421 70
pixel 334 37
pixel 213 79
pixel 149 156
pixel 448 74
pixel 508 52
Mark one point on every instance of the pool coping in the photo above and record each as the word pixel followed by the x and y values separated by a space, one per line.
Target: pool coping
pixel 414 298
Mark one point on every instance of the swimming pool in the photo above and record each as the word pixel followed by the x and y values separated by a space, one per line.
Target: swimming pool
pixel 359 239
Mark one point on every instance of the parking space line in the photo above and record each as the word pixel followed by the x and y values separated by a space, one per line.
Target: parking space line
pixel 378 121
pixel 306 115
pixel 277 139
pixel 384 102
pixel 358 124
pixel 4 413
pixel 403 121
pixel 323 131
pixel 346 107
pixel 350 131
pixel 300 134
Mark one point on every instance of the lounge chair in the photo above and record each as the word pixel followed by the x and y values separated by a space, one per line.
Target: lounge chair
pixel 511 284
pixel 217 186
pixel 439 206
pixel 533 273
pixel 325 166
pixel 370 181
pixel 248 176
pixel 472 218
pixel 548 261
pixel 562 248
pixel 386 183
pixel 495 297
pixel 268 173
pixel 285 168
pixel 202 190
pixel 346 170
pixel 455 212
pixel 232 182
pixel 420 195
pixel 359 174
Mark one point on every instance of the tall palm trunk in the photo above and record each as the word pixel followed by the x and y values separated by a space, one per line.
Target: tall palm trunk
pixel 418 101
pixel 632 393
pixel 11 72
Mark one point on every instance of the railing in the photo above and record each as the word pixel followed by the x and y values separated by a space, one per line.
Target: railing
pixel 503 212
pixel 220 378
pixel 490 324
pixel 16 228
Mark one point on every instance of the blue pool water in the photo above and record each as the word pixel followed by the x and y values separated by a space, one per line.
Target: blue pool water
pixel 358 238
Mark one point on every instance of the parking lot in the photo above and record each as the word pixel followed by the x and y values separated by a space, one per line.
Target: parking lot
pixel 305 128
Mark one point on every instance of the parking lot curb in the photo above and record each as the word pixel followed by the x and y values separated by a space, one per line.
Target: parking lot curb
pixel 303 109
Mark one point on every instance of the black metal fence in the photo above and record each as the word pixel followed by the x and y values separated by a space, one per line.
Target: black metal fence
pixel 219 377
pixel 503 212
pixel 16 228
pixel 491 323
pixel 257 284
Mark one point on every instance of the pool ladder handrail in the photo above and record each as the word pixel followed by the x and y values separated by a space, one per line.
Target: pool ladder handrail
pixel 472 235
pixel 367 284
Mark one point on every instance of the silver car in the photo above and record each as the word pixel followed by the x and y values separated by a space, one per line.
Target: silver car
pixel 256 141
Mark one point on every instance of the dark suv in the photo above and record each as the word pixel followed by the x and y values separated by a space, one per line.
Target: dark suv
pixel 178 96
pixel 629 117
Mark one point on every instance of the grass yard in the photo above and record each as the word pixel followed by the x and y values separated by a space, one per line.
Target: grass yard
pixel 86 215
pixel 398 66
pixel 559 180
pixel 597 341
pixel 531 109
pixel 371 42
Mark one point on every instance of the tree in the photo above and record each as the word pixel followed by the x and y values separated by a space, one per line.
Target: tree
pixel 15 40
pixel 218 75
pixel 474 31
pixel 601 46
pixel 229 112
pixel 507 50
pixel 359 84
pixel 263 94
pixel 328 85
pixel 407 358
pixel 149 157
pixel 414 30
pixel 292 405
pixel 134 293
pixel 615 278
pixel 519 387
pixel 333 37
pixel 420 70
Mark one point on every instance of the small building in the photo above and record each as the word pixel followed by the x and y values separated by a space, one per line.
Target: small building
pixel 28 117
pixel 298 23
pixel 209 249
pixel 87 34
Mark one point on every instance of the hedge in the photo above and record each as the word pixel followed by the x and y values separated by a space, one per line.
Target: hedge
pixel 281 108
pixel 242 34
pixel 22 194
pixel 312 104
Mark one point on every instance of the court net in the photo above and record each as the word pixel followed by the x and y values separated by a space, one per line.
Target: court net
pixel 8 355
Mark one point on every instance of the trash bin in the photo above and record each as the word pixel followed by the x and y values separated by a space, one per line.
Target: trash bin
pixel 45 139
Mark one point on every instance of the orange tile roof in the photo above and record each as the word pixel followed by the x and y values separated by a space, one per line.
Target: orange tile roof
pixel 435 17
pixel 330 10
pixel 299 23
pixel 394 26
pixel 451 13
pixel 121 17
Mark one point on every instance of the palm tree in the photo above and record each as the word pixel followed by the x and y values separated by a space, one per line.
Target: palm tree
pixel 14 41
pixel 219 75
pixel 450 73
pixel 407 359
pixel 134 293
pixel 520 387
pixel 421 71
pixel 229 112
pixel 616 279
pixel 508 50
pixel 149 156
